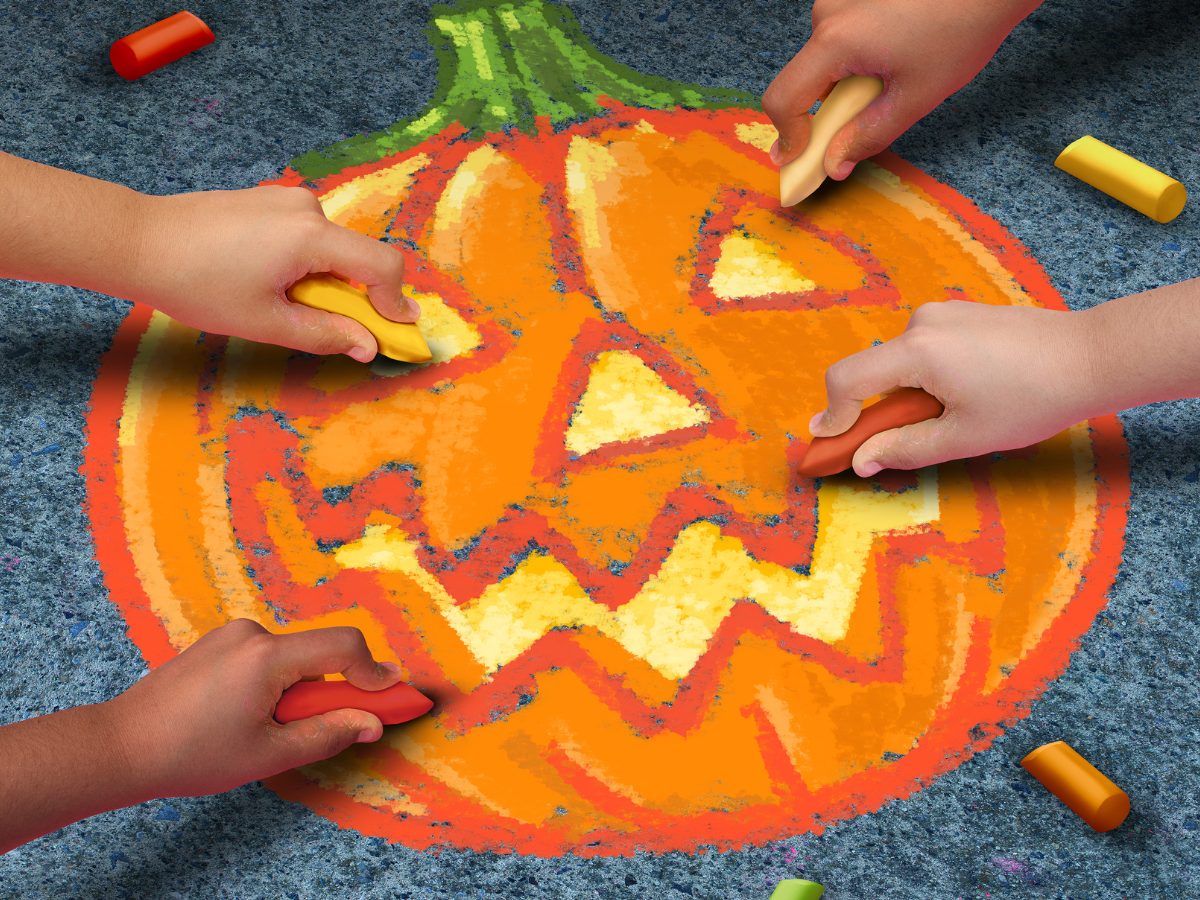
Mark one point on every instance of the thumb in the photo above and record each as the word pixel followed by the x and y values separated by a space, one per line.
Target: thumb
pixel 911 447
pixel 316 738
pixel 378 267
pixel 791 95
pixel 315 331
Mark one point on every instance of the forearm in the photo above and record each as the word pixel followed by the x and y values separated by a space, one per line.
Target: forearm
pixel 66 228
pixel 60 768
pixel 1142 348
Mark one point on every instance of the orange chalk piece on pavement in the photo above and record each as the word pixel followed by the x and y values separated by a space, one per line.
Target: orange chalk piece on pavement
pixel 906 406
pixel 399 703
pixel 159 45
pixel 1081 786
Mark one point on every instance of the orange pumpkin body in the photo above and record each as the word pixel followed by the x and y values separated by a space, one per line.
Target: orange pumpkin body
pixel 580 528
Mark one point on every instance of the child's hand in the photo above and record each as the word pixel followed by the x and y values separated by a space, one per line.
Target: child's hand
pixel 924 50
pixel 204 722
pixel 1008 377
pixel 221 261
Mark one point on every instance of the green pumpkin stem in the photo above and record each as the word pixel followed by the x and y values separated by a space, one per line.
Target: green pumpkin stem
pixel 504 64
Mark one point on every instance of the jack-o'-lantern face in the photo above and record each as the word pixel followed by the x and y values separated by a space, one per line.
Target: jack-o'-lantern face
pixel 579 529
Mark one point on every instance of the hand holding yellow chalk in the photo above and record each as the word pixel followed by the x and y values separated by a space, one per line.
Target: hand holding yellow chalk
pixel 1124 178
pixel 397 340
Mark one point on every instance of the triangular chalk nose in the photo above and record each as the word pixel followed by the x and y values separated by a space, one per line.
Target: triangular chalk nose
pixel 750 266
pixel 626 400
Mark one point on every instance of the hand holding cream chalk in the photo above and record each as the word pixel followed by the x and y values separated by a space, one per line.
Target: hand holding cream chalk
pixel 803 175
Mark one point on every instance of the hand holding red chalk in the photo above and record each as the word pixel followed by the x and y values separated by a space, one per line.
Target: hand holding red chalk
pixel 1008 377
pixel 201 723
pixel 830 455
pixel 392 706
pixel 204 722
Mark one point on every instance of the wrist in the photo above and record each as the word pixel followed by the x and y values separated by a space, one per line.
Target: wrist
pixel 139 251
pixel 126 769
pixel 1095 345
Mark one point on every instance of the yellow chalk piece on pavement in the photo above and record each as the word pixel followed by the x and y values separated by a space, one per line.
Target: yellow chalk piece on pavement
pixel 1149 191
pixel 396 340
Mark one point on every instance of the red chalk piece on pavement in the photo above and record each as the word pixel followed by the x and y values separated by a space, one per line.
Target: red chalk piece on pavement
pixel 907 406
pixel 399 703
pixel 158 45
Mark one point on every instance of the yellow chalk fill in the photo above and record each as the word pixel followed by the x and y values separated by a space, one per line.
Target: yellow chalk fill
pixel 1124 178
pixel 396 340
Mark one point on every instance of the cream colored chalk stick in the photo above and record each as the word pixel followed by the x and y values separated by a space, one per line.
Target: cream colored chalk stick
pixel 1124 178
pixel 803 175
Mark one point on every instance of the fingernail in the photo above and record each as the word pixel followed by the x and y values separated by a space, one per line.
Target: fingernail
pixel 775 152
pixel 389 668
pixel 412 308
pixel 815 423
pixel 843 170
pixel 869 468
pixel 360 354
pixel 369 735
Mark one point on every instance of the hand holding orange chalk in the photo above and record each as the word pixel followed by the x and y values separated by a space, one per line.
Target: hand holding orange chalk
pixel 906 406
pixel 158 45
pixel 1078 784
pixel 399 703
pixel 397 340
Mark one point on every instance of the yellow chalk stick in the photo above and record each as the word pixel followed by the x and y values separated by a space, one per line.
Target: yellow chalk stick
pixel 1124 178
pixel 803 175
pixel 396 340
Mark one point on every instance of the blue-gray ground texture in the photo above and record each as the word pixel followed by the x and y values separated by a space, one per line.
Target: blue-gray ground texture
pixel 285 78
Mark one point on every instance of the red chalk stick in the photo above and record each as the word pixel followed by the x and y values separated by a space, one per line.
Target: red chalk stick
pixel 399 703
pixel 158 45
pixel 907 406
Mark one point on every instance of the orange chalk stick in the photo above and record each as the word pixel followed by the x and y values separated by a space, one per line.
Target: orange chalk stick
pixel 158 45
pixel 1078 784
pixel 399 703
pixel 907 406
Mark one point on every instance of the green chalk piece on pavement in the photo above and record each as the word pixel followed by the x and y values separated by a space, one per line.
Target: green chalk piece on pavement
pixel 797 889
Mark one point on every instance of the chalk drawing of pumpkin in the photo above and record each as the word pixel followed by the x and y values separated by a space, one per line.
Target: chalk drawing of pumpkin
pixel 579 529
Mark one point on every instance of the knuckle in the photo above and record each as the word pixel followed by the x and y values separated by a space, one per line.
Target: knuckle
pixel 837 378
pixel 259 650
pixel 329 338
pixel 244 628
pixel 774 101
pixel 350 637
pixel 302 198
pixel 395 266
pixel 926 315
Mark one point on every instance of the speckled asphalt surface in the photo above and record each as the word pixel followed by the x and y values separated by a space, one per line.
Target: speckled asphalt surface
pixel 287 78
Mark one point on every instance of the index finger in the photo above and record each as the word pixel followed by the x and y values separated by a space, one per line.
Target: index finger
pixel 857 378
pixel 377 266
pixel 323 651
pixel 787 101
